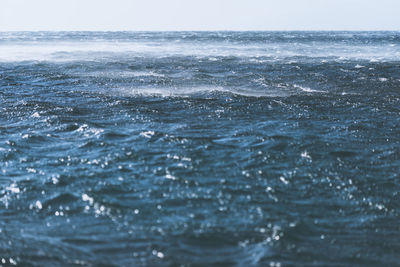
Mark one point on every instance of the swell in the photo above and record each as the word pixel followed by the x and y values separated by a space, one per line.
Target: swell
pixel 186 76
pixel 217 159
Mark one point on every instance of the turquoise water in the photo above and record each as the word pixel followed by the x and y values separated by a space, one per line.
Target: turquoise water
pixel 199 148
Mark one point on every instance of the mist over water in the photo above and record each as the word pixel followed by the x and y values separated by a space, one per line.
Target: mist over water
pixel 199 148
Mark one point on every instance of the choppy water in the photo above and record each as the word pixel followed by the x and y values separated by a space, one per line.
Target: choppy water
pixel 200 148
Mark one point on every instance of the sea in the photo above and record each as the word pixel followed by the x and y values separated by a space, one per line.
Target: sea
pixel 200 149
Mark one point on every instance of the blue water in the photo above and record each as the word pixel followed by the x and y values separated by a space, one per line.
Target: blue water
pixel 200 149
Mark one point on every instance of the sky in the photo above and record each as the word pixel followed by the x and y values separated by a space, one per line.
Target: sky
pixel 170 15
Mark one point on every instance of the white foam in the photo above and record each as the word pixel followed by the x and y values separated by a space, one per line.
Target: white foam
pixel 123 74
pixel 208 91
pixel 171 91
pixel 13 188
pixel 306 89
pixel 61 50
pixel 147 134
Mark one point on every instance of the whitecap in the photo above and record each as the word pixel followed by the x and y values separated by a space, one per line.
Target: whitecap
pixel 306 89
pixel 147 134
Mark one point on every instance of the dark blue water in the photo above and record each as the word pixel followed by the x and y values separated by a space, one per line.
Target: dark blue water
pixel 200 149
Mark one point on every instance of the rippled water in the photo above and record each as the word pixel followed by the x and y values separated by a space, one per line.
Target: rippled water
pixel 200 148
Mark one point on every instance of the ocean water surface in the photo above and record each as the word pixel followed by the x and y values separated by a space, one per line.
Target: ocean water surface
pixel 200 148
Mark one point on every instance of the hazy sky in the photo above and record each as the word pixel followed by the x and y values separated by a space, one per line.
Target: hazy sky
pixel 199 15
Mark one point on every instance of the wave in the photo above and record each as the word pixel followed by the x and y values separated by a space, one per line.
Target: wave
pixel 27 47
pixel 211 91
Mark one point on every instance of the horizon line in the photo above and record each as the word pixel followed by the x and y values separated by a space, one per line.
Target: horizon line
pixel 203 30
